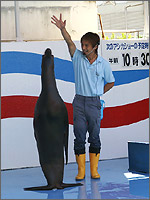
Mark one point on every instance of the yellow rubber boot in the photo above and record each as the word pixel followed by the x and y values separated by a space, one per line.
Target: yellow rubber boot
pixel 94 165
pixel 81 166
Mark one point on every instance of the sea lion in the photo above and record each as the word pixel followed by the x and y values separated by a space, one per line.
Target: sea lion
pixel 51 128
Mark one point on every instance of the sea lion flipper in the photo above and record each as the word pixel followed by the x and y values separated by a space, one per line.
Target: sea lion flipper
pixel 66 134
pixel 65 185
pixel 46 187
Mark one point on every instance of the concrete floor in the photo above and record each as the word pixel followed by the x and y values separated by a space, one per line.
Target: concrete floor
pixel 116 182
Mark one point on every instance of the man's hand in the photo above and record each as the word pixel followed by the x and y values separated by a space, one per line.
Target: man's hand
pixel 58 22
pixel 108 86
pixel 61 25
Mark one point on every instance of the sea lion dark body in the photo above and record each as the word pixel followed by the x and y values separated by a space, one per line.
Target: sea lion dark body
pixel 51 128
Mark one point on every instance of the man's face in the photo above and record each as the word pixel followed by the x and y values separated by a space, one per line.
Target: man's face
pixel 86 47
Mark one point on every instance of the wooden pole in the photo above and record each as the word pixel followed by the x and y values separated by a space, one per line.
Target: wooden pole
pixel 103 36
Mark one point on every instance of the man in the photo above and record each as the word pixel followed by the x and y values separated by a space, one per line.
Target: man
pixel 90 72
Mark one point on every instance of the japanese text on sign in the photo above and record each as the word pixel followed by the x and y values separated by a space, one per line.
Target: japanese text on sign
pixel 126 46
pixel 133 54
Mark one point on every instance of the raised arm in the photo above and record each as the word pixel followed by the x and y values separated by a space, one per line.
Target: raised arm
pixel 61 25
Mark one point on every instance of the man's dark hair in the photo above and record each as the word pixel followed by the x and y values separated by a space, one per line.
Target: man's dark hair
pixel 93 38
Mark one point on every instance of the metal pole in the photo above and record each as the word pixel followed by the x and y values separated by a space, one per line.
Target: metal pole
pixel 17 22
pixel 126 18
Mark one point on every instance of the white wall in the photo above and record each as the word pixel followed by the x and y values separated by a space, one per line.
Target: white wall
pixel 35 19
pixel 18 143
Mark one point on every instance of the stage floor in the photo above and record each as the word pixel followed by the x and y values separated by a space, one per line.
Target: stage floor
pixel 116 182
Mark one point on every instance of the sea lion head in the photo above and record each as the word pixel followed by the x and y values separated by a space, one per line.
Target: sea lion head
pixel 48 52
pixel 48 59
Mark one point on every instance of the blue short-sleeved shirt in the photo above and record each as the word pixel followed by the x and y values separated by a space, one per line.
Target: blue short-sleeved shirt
pixel 89 78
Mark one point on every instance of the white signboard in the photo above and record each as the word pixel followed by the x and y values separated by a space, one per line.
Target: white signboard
pixel 126 54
